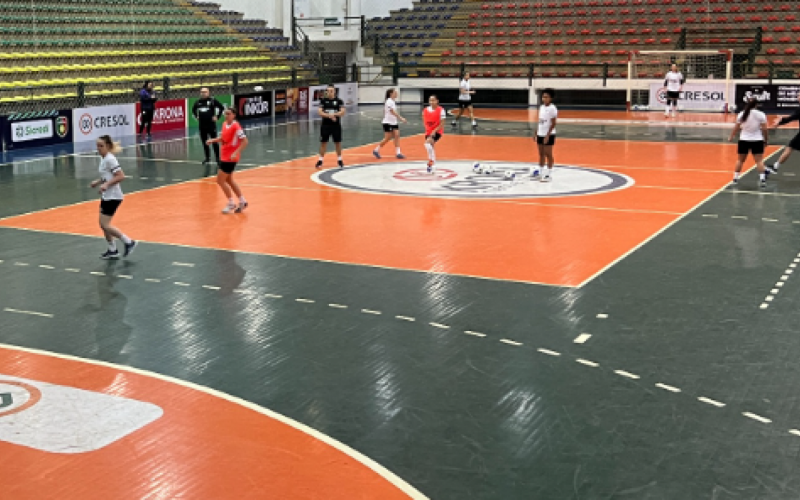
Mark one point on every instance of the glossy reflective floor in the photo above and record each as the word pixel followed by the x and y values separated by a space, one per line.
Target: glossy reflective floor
pixel 634 341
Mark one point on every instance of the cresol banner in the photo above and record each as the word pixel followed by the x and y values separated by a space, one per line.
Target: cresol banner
pixel 694 96
pixel 24 130
pixel 253 105
pixel 116 120
pixel 169 115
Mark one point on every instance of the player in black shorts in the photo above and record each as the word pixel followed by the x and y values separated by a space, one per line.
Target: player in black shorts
pixel 331 109
pixel 207 111
pixel 794 144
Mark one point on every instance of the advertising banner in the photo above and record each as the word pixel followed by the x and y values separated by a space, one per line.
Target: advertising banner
pixel 24 130
pixel 225 100
pixel 771 97
pixel 347 92
pixel 117 120
pixel 169 115
pixel 281 102
pixel 254 105
pixel 298 100
pixel 695 96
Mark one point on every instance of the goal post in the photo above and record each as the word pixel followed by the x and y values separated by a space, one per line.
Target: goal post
pixel 708 75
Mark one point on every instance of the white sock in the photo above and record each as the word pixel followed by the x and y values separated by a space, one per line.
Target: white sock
pixel 398 150
pixel 431 152
pixel 321 158
pixel 736 176
pixel 231 201
pixel 474 122
pixel 125 239
pixel 762 176
pixel 777 165
pixel 377 148
pixel 112 246
pixel 340 158
pixel 242 200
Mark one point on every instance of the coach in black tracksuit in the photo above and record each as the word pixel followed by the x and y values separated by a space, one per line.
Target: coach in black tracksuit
pixel 206 111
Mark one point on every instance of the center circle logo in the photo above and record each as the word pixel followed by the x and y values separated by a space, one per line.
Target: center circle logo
pixel 16 397
pixel 85 123
pixel 459 179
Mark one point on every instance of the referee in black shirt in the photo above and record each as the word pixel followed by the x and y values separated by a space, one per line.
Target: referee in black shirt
pixel 206 111
pixel 331 109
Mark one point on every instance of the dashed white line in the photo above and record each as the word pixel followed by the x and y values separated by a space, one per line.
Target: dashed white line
pixel 338 306
pixel 97 273
pixel 712 216
pixel 602 316
pixel 183 264
pixel 72 270
pixel 29 313
pixel 439 325
pixel 474 334
pixel 306 301
pixel 667 387
pixel 273 296
pixel 180 283
pixel 582 338
pixel 766 219
pixel 743 217
pixel 125 276
pixel 758 418
pixel 241 291
pixel 405 318
pixel 511 342
pixel 152 280
pixel 45 266
pixel 764 306
pixel 21 264
pixel 549 352
pixel 795 432
pixel 211 287
pixel 774 291
pixel 769 298
pixel 710 401
pixel 587 362
pixel 779 284
pixel 370 311
pixel 630 375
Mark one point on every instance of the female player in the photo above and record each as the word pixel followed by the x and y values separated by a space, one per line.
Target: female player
pixel 391 130
pixel 754 135
pixel 674 83
pixel 465 94
pixel 433 117
pixel 233 143
pixel 794 144
pixel 546 136
pixel 147 101
pixel 111 175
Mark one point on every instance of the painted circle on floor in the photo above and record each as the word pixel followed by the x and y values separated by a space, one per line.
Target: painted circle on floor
pixel 16 397
pixel 461 179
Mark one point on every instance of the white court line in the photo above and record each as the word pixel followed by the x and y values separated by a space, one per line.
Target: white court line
pixel 795 432
pixel 439 325
pixel 758 418
pixel 630 375
pixel 663 229
pixel 602 316
pixel 667 387
pixel 125 276
pixel 406 488
pixel 405 318
pixel 21 264
pixel 152 280
pixel 183 264
pixel 180 283
pixel 29 313
pixel 97 273
pixel 210 287
pixel 273 296
pixel 587 362
pixel 72 270
pixel 306 301
pixel 370 311
pixel 511 342
pixel 549 352
pixel 709 401
pixel 474 334
pixel 582 338
pixel 45 266
pixel 338 306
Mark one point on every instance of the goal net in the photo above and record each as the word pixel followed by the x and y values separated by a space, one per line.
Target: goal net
pixel 707 75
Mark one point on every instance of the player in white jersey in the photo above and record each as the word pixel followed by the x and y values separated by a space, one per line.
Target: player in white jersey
pixel 674 83
pixel 546 136
pixel 391 130
pixel 752 124
pixel 111 197
pixel 465 94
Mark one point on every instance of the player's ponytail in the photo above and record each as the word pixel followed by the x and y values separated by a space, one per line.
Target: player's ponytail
pixel 751 104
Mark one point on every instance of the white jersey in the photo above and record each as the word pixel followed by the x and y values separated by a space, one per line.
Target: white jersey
pixel 674 81
pixel 108 167
pixel 465 86
pixel 751 128
pixel 388 117
pixel 546 116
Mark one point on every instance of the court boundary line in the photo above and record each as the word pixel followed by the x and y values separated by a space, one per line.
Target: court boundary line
pixel 371 464
pixel 665 228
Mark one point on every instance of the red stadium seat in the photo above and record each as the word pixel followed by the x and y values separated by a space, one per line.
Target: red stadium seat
pixel 461 53
pixel 558 42
pixel 590 52
pixel 461 44
pixel 474 44
pixel 559 52
pixel 545 53
pixel 666 41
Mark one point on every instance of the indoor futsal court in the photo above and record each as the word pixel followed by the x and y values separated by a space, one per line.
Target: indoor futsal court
pixel 626 331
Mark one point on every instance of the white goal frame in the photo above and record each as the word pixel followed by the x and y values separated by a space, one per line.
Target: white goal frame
pixel 641 84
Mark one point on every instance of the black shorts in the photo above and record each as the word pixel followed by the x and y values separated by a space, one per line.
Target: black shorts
pixel 795 143
pixel 755 147
pixel 464 104
pixel 331 131
pixel 540 140
pixel 389 127
pixel 673 95
pixel 435 136
pixel 109 207
pixel 227 166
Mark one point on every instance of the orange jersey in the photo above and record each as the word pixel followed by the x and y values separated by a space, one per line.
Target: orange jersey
pixel 232 135
pixel 433 118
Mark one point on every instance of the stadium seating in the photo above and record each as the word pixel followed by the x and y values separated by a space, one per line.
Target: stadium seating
pixel 110 46
pixel 598 32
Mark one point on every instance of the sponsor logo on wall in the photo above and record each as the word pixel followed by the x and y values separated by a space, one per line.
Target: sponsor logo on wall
pixel 281 102
pixel 694 96
pixel 255 105
pixel 32 130
pixel 773 97
pixel 36 129
pixel 168 115
pixel 115 120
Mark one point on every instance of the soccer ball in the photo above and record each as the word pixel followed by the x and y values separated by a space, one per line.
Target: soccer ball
pixel 636 107
pixel 477 168
pixel 509 175
pixel 488 169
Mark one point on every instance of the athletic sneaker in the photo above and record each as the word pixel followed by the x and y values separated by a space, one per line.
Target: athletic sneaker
pixel 770 169
pixel 431 167
pixel 341 164
pixel 735 182
pixel 536 174
pixel 546 178
pixel 376 154
pixel 130 247
pixel 229 208
pixel 774 168
pixel 241 208
pixel 319 164
pixel 454 123
pixel 401 156
pixel 109 255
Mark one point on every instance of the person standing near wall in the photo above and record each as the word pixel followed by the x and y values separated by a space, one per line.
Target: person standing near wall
pixel 147 100
pixel 207 111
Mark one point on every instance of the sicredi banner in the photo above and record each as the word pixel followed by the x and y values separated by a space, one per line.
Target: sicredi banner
pixel 168 115
pixel 774 97
pixel 254 105
pixel 694 96
pixel 117 120
pixel 37 129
